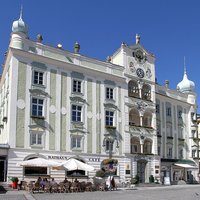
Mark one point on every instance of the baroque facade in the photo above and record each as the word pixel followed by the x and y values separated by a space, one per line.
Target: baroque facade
pixel 58 104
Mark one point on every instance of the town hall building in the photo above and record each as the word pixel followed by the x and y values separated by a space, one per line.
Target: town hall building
pixel 57 104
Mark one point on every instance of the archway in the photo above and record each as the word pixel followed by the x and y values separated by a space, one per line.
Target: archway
pixel 141 167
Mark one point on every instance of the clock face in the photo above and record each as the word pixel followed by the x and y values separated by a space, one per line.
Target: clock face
pixel 140 72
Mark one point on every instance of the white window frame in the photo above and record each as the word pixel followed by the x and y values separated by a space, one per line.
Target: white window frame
pixel 75 86
pixel 109 118
pixel 81 113
pixel 36 135
pixel 37 105
pixel 108 92
pixel 43 77
pixel 78 142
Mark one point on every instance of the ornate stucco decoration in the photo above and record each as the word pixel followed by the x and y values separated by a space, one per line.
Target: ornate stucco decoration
pixel 39 92
pixel 141 106
pixel 111 105
pixel 78 99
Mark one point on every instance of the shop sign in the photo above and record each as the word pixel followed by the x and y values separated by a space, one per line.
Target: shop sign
pixel 58 157
pixel 94 159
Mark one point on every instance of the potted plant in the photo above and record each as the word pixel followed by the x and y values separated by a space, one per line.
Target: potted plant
pixel 14 182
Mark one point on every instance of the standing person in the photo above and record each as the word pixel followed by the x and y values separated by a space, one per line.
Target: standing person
pixel 113 183
pixel 108 183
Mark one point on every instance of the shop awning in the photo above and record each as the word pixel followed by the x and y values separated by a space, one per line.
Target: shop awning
pixel 188 164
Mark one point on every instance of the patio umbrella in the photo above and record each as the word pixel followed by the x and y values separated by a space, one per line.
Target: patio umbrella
pixel 74 164
pixel 38 162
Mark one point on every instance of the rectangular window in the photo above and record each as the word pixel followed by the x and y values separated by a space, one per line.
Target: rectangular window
pixel 109 145
pixel 168 111
pixel 76 142
pixel 181 153
pixel 76 113
pixel 157 108
pixel 109 118
pixel 170 153
pixel 37 107
pixel 109 93
pixel 179 114
pixel 36 139
pixel 38 78
pixel 77 86
pixel 193 153
pixel 159 150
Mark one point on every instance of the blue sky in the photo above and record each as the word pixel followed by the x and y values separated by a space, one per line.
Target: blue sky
pixel 170 29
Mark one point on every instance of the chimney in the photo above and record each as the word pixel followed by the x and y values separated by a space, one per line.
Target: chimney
pixel 137 37
pixel 77 47
pixel 167 84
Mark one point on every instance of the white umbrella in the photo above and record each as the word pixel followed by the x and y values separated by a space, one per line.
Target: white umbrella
pixel 74 164
pixel 38 162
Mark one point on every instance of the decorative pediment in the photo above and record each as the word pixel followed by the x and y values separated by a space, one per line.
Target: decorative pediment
pixel 37 128
pixel 111 105
pixel 39 92
pixel 141 105
pixel 77 99
pixel 78 131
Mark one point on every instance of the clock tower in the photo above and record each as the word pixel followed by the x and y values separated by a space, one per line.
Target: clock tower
pixel 140 128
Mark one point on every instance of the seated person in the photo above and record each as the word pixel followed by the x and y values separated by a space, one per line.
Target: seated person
pixel 76 181
pixel 65 181
pixel 52 182
pixel 43 182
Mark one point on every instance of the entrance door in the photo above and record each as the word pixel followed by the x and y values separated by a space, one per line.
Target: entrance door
pixel 141 165
pixel 2 170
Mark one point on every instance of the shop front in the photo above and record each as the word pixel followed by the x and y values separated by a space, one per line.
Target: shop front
pixel 3 161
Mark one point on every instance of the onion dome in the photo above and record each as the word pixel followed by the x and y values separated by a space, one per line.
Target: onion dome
pixel 19 25
pixel 186 85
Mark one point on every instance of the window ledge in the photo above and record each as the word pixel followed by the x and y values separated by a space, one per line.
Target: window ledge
pixel 37 117
pixel 37 146
pixel 110 127
pixel 38 85
pixel 76 149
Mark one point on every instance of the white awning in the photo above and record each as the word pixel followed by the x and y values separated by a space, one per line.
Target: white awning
pixel 186 166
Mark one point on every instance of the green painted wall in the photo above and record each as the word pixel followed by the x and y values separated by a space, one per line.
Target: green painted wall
pixel 98 122
pixel 21 94
pixel 52 117
pixel 89 121
pixel 63 118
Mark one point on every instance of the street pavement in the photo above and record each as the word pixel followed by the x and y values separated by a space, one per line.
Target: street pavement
pixel 175 192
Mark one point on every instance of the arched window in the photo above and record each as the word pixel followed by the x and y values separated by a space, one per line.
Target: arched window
pixel 135 145
pixel 147 118
pixel 134 118
pixel 146 92
pixel 133 90
pixel 148 146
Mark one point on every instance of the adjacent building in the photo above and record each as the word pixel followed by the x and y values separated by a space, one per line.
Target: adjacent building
pixel 58 104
